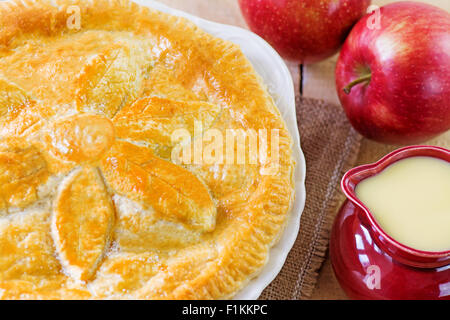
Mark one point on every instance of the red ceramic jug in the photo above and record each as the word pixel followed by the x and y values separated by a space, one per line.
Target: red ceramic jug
pixel 368 263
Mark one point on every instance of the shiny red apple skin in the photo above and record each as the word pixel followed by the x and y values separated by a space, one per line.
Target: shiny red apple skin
pixel 303 30
pixel 408 97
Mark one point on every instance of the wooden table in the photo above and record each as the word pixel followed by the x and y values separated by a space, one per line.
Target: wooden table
pixel 316 81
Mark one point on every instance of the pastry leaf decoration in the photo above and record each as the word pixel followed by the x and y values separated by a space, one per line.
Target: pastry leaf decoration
pixel 175 193
pixel 82 221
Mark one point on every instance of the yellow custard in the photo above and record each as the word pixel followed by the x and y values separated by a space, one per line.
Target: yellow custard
pixel 410 200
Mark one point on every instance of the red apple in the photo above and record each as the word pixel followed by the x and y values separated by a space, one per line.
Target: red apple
pixel 393 76
pixel 303 30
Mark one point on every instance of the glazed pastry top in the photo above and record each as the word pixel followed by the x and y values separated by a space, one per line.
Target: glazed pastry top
pixel 92 204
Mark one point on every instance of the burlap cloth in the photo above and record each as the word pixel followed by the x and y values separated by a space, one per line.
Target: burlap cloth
pixel 331 147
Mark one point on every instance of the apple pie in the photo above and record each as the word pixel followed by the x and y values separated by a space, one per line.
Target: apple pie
pixel 93 203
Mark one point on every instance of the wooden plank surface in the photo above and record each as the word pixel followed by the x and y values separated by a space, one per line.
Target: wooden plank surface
pixel 317 82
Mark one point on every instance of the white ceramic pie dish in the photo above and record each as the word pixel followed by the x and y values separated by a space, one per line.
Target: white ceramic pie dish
pixel 269 65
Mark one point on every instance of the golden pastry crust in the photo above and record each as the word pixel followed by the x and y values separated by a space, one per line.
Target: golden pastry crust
pixel 91 205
